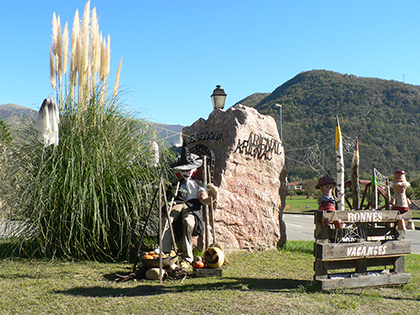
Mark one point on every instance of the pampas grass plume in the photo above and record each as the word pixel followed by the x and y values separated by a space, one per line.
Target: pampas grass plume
pixel 65 50
pixel 52 73
pixel 117 79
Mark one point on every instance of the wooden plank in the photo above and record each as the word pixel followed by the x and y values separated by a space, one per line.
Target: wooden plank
pixel 364 281
pixel 321 269
pixel 351 263
pixel 363 215
pixel 361 265
pixel 207 272
pixel 399 264
pixel 337 251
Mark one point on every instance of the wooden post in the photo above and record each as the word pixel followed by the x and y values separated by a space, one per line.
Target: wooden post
pixel 206 208
pixel 160 233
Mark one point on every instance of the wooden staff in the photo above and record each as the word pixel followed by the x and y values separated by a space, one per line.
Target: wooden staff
pixel 206 216
pixel 168 215
pixel 212 213
pixel 144 230
pixel 160 233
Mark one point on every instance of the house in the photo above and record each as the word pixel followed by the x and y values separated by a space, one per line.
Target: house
pixel 296 185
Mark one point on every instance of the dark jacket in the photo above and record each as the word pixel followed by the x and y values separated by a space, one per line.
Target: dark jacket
pixel 197 210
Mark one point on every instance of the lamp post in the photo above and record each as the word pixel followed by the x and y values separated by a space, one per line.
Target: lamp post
pixel 281 121
pixel 218 97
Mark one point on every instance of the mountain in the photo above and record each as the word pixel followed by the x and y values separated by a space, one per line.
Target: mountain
pixel 383 114
pixel 170 133
pixel 13 114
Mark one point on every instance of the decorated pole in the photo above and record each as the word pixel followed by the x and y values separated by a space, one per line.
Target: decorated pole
pixel 355 177
pixel 374 187
pixel 388 196
pixel 340 166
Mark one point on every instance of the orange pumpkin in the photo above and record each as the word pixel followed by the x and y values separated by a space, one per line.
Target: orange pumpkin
pixel 198 264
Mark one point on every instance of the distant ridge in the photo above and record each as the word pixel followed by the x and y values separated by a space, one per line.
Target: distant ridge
pixel 384 114
pixel 13 115
pixel 7 110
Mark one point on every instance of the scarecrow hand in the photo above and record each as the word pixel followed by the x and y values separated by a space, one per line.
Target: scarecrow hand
pixel 213 191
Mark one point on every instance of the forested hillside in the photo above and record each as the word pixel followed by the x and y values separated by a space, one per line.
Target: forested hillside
pixel 384 115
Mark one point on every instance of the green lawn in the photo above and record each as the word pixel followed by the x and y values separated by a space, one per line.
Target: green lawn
pixel 267 282
pixel 300 204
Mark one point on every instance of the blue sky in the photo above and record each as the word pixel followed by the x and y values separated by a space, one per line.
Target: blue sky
pixel 176 52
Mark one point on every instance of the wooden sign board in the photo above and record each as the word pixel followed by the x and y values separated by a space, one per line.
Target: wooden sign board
pixel 343 251
pixel 372 216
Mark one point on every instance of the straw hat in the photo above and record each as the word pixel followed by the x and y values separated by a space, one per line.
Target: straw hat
pixel 325 181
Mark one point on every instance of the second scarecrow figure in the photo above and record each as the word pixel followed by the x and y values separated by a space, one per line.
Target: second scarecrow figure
pixel 400 201
pixel 326 185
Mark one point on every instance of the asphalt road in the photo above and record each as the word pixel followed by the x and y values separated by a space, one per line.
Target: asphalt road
pixel 301 228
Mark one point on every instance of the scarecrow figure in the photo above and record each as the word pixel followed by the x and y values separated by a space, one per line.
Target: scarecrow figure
pixel 400 201
pixel 187 212
pixel 326 185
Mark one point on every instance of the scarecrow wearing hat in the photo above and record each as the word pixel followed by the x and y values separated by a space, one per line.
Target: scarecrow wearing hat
pixel 326 184
pixel 400 201
pixel 187 210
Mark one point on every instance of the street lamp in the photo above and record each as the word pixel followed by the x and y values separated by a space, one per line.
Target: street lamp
pixel 218 97
pixel 281 122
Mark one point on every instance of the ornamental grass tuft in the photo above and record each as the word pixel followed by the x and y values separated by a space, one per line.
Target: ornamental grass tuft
pixel 88 196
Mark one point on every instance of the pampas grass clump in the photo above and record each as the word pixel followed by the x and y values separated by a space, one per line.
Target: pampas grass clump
pixel 86 197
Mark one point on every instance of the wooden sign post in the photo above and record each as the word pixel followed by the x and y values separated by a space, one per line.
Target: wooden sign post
pixel 360 248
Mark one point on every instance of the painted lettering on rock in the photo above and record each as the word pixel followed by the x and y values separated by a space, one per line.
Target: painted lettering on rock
pixel 259 147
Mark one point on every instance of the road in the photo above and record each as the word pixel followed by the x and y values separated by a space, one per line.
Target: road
pixel 300 227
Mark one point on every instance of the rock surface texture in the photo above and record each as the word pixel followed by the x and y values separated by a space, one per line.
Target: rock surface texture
pixel 249 171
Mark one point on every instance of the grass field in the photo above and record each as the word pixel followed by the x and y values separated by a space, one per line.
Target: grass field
pixel 268 282
pixel 300 204
pixel 265 282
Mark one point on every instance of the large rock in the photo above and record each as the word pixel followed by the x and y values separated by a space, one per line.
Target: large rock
pixel 249 160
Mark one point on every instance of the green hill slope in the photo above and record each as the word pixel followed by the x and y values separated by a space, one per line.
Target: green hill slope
pixel 384 115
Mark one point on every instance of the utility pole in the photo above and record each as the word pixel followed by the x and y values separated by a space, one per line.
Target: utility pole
pixel 281 122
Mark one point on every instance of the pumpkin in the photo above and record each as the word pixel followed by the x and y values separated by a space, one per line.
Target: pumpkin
pixel 214 257
pixel 153 274
pixel 198 264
